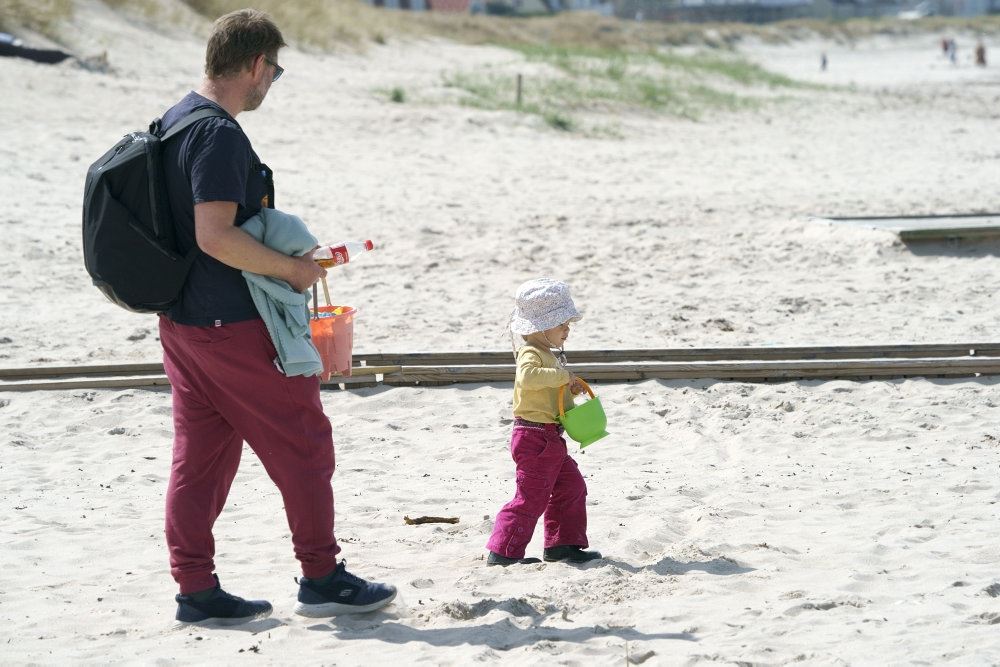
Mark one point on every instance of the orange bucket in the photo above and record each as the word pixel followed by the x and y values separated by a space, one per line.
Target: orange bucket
pixel 333 335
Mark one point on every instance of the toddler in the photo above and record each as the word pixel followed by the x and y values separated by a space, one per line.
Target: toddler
pixel 548 479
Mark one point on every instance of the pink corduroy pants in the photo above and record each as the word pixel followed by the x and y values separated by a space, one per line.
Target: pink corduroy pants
pixel 548 482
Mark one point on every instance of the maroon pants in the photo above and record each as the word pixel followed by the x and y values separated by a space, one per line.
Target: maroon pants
pixel 226 389
pixel 548 482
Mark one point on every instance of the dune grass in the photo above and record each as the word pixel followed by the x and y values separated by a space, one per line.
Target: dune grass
pixel 41 16
pixel 579 81
pixel 320 25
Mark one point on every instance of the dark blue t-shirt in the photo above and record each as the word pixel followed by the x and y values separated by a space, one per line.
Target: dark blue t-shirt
pixel 211 161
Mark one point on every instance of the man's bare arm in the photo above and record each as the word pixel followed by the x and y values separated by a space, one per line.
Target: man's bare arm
pixel 218 237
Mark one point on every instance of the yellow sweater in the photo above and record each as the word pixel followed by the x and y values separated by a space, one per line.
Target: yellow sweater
pixel 537 385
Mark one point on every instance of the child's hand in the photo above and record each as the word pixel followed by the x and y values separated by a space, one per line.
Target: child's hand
pixel 576 385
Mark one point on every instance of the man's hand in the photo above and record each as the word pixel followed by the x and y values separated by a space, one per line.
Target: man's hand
pixel 305 273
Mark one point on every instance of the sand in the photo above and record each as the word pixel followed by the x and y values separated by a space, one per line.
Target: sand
pixel 816 522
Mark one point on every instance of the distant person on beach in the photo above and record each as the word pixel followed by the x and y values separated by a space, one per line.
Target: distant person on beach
pixel 980 54
pixel 219 357
pixel 953 51
pixel 547 478
pixel 822 61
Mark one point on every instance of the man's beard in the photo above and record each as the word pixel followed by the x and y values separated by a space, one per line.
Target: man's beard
pixel 254 99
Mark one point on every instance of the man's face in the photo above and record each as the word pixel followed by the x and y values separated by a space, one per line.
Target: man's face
pixel 262 83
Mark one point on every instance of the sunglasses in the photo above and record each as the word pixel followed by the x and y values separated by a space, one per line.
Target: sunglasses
pixel 278 69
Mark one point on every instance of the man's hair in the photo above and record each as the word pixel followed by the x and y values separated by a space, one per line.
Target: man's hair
pixel 239 37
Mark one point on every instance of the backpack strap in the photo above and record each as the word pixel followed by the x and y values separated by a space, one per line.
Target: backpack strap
pixel 187 121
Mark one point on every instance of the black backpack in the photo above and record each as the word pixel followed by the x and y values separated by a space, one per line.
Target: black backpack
pixel 129 245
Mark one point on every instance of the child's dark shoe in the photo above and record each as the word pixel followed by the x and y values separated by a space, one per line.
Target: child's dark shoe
pixel 570 554
pixel 496 559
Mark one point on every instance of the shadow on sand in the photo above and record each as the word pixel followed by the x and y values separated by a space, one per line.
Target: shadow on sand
pixel 502 635
pixel 970 248
pixel 667 566
pixel 505 634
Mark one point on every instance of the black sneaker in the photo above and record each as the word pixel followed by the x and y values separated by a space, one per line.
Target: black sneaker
pixel 220 608
pixel 496 559
pixel 569 553
pixel 343 593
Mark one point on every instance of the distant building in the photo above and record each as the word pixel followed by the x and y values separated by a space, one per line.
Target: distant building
pixel 448 5
pixel 759 11
pixel 966 7
pixel 906 9
pixel 511 7
pixel 604 7
pixel 750 11
pixel 423 5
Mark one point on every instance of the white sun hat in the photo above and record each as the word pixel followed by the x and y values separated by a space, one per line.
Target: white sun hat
pixel 541 304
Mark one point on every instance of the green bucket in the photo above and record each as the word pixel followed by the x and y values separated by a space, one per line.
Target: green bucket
pixel 586 422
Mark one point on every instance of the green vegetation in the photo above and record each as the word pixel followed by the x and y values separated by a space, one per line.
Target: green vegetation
pixel 42 16
pixel 324 25
pixel 733 69
pixel 558 121
pixel 397 95
pixel 595 80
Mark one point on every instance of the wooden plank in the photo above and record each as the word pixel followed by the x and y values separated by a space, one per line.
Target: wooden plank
pixel 949 233
pixel 367 371
pixel 120 370
pixel 928 216
pixel 790 353
pixel 747 371
pixel 367 376
pixel 798 368
pixel 752 370
pixel 410 375
pixel 352 383
pixel 361 376
pixel 698 354
pixel 147 381
pixel 930 227
pixel 504 373
pixel 434 358
pixel 381 360
pixel 88 383
pixel 81 371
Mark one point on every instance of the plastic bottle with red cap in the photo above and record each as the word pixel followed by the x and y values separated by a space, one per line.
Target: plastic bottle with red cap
pixel 340 253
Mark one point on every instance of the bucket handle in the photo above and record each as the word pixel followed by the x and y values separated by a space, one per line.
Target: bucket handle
pixel 326 295
pixel 562 391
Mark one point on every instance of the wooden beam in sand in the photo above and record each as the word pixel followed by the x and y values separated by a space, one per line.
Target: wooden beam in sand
pixel 360 376
pixel 750 371
pixel 375 363
pixel 936 227
pixel 824 369
pixel 914 351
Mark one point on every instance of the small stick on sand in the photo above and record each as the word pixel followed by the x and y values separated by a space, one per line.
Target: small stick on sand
pixel 429 519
